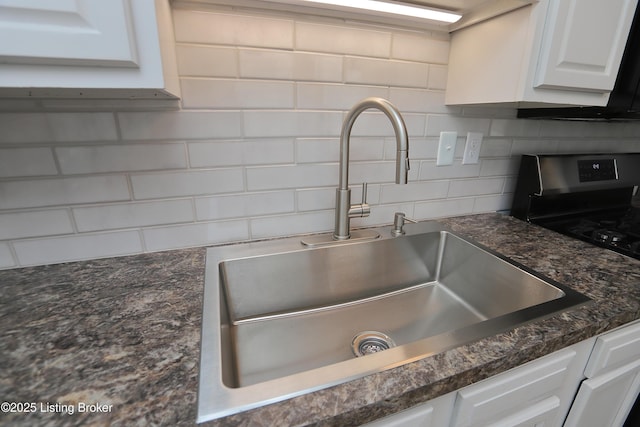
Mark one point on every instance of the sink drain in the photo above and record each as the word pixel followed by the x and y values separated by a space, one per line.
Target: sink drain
pixel 370 342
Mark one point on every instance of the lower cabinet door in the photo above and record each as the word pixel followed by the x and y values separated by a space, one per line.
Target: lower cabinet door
pixel 434 413
pixel 538 393
pixel 605 400
pixel 541 414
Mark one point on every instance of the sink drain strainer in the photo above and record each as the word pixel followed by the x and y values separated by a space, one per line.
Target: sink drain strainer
pixel 370 342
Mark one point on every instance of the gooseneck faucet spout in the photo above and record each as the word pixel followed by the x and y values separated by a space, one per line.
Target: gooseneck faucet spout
pixel 344 209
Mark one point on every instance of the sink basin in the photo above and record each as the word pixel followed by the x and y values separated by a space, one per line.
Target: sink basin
pixel 281 319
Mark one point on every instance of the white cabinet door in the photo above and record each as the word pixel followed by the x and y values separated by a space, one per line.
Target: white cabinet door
pixel 565 52
pixel 606 399
pixel 87 49
pixel 538 393
pixel 614 350
pixel 67 32
pixel 434 413
pixel 582 44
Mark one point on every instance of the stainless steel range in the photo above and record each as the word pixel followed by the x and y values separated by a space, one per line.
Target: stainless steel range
pixel 586 196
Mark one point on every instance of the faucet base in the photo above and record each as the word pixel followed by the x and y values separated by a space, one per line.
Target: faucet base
pixel 317 240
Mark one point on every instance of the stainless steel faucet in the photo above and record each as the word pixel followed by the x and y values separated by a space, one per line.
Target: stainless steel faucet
pixel 344 209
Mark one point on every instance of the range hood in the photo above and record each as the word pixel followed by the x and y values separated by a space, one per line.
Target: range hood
pixel 624 100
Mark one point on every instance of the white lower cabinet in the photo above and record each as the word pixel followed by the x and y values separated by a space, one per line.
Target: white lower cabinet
pixel 590 384
pixel 606 399
pixel 613 383
pixel 434 413
pixel 538 393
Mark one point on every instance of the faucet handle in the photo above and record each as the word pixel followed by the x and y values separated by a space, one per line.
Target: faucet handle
pixel 363 209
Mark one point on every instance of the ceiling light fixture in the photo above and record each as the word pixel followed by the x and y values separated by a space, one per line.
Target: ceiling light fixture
pixel 394 8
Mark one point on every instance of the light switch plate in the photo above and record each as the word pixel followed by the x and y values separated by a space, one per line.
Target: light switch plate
pixel 472 148
pixel 446 148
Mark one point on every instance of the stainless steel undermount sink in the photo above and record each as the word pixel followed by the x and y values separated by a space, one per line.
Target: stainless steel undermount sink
pixel 281 319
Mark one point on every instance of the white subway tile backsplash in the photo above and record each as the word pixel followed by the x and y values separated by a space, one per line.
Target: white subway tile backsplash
pixel 267 124
pixel 418 100
pixel 253 151
pixel 495 147
pixel 34 223
pixel 207 61
pixel 248 152
pixel 129 215
pixel 376 124
pixel 291 176
pixel 444 208
pixel 437 77
pixel 419 47
pixel 72 127
pixel 25 127
pixel 191 183
pixel 232 29
pixel 375 172
pixel 316 37
pixel 287 225
pixel 267 64
pixel 534 146
pixel 429 170
pixel 6 257
pixel 442 123
pixel 514 127
pixel 283 65
pixel 384 72
pixel 419 148
pixel 495 167
pixel 24 162
pixel 245 205
pixel 77 247
pixel 236 94
pixel 199 234
pixel 119 158
pixel 63 191
pixel 492 203
pixel 334 96
pixel 563 129
pixel 510 184
pixel 180 125
pixel 474 187
pixel 318 150
pixel 316 199
pixel 57 127
pixel 383 215
pixel 413 191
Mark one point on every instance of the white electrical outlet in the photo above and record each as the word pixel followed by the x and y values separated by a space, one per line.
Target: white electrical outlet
pixel 446 148
pixel 472 148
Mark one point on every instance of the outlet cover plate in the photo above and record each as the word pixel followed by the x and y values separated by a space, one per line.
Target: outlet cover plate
pixel 446 148
pixel 472 148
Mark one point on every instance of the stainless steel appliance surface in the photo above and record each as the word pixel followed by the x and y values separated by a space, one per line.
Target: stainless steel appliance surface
pixel 592 197
pixel 586 196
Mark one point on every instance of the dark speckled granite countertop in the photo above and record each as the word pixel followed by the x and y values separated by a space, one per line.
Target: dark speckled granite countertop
pixel 125 332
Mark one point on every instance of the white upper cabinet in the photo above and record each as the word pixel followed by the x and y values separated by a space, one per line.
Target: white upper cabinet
pixel 87 48
pixel 551 52
pixel 584 42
